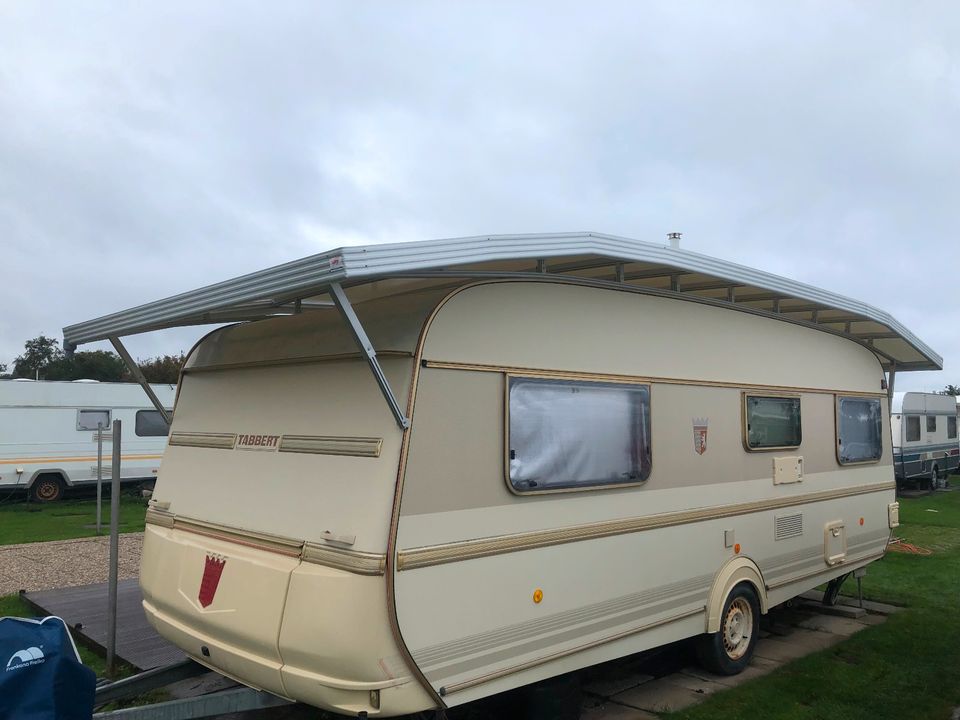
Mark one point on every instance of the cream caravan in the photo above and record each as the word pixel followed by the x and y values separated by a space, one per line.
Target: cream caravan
pixel 425 473
pixel 48 434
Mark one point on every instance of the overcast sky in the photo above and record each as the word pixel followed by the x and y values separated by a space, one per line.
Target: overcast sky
pixel 149 150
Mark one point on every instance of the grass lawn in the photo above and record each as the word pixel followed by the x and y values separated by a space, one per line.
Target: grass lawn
pixel 907 668
pixel 23 522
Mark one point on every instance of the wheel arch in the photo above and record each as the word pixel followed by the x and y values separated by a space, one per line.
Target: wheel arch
pixel 734 572
pixel 64 477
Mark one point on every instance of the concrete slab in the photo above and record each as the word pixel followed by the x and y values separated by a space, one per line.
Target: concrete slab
pixel 659 696
pixel 615 711
pixel 832 624
pixel 797 644
pixel 615 683
pixel 848 611
pixel 700 685
pixel 754 670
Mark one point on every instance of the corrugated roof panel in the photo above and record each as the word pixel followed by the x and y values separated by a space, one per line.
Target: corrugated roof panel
pixel 377 270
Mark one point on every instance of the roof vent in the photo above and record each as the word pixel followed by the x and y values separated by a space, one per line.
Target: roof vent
pixel 674 239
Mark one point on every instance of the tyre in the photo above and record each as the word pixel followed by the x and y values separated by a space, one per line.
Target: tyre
pixel 729 651
pixel 47 488
pixel 934 478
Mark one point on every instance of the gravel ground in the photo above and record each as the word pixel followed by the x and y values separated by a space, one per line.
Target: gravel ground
pixel 65 563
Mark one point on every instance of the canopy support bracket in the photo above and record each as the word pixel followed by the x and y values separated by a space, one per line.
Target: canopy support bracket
pixel 138 376
pixel 366 347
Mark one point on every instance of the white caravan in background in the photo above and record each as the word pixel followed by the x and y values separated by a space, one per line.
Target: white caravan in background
pixel 925 444
pixel 48 433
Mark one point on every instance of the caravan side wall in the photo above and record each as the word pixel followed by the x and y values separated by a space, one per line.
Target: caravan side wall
pixel 496 588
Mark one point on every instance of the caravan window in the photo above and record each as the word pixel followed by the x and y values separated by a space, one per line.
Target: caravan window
pixel 574 434
pixel 913 428
pixel 859 430
pixel 88 419
pixel 150 423
pixel 931 423
pixel 772 422
pixel 951 427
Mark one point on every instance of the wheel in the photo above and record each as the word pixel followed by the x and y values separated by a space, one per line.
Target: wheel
pixel 934 477
pixel 47 488
pixel 729 651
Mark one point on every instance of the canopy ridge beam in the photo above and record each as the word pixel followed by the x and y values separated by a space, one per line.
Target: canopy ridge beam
pixel 138 376
pixel 366 348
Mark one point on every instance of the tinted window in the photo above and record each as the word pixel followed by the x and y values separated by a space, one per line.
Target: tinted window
pixel 573 434
pixel 913 428
pixel 773 422
pixel 150 423
pixel 859 428
pixel 952 427
pixel 931 423
pixel 88 419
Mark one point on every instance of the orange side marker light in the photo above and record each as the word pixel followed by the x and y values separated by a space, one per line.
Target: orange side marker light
pixel 537 595
pixel 736 548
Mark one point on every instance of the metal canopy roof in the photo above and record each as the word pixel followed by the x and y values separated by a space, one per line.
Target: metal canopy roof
pixel 377 270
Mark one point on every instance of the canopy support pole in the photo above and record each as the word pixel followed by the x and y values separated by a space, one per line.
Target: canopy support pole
pixel 366 347
pixel 892 375
pixel 138 376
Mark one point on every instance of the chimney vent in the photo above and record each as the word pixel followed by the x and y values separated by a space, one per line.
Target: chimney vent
pixel 674 239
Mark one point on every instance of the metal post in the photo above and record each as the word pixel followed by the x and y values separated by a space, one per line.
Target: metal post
pixel 138 376
pixel 99 474
pixel 366 347
pixel 114 552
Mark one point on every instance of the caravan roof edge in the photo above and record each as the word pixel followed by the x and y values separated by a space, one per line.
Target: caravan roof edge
pixel 267 292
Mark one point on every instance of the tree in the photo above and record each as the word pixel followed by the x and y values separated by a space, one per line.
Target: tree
pixel 951 390
pixel 38 355
pixel 93 365
pixel 163 369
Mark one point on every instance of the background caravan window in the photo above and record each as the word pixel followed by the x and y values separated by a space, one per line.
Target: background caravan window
pixel 772 422
pixel 150 423
pixel 574 434
pixel 913 428
pixel 859 430
pixel 88 419
pixel 952 427
pixel 931 423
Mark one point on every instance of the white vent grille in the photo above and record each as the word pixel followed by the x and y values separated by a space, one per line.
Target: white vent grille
pixel 787 526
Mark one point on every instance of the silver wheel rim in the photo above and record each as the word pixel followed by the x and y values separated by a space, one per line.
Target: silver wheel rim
pixel 737 628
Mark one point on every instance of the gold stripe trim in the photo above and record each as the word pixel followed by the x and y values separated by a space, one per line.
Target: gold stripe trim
pixel 456 687
pixel 360 563
pixel 223 441
pixel 484 547
pixel 159 517
pixel 568 375
pixel 355 446
pixel 84 458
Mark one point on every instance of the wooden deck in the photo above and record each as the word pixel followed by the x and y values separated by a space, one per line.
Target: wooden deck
pixel 84 609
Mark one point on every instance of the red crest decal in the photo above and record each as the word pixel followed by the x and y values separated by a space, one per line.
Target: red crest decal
pixel 212 570
pixel 700 435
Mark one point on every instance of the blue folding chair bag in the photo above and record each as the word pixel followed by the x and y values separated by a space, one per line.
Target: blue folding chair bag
pixel 41 675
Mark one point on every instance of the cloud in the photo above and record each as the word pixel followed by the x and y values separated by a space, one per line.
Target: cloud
pixel 149 150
